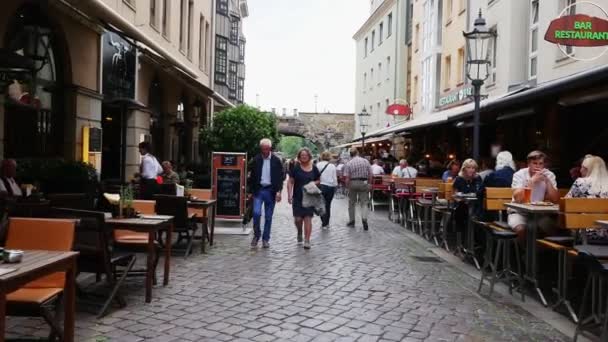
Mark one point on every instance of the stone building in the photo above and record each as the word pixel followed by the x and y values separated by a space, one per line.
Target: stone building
pixel 107 74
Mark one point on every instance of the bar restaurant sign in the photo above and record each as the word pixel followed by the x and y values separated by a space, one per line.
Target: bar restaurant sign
pixel 456 97
pixel 582 30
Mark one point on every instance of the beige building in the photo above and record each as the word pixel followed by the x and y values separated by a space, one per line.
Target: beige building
pixel 136 69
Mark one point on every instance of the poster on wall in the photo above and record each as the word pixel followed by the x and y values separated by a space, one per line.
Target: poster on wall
pixel 119 61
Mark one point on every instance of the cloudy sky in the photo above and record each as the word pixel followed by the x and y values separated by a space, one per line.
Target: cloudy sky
pixel 296 49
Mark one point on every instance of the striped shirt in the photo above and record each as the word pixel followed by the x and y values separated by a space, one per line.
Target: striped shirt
pixel 358 168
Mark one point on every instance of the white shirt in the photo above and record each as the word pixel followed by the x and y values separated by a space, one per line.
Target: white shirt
pixel 150 167
pixel 328 177
pixel 265 179
pixel 521 179
pixel 377 170
pixel 14 186
pixel 407 172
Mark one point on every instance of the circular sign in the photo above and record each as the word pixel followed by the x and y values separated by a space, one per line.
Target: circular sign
pixel 568 11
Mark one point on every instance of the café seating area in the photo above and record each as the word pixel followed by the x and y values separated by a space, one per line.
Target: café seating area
pixel 51 245
pixel 563 272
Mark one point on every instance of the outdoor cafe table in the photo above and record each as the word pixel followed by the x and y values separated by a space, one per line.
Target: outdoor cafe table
pixel 469 247
pixel 206 206
pixel 152 227
pixel 34 265
pixel 533 212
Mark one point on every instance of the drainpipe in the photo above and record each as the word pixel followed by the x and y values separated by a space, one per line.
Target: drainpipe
pixel 100 9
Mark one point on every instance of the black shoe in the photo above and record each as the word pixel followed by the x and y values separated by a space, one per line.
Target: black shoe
pixel 351 224
pixel 365 227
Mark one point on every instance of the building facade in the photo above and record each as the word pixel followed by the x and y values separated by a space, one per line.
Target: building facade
pixel 381 67
pixel 230 42
pixel 108 74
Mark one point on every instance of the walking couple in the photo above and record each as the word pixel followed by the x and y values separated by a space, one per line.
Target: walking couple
pixel 266 182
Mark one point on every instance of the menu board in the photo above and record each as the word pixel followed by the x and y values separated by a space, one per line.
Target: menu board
pixel 228 192
pixel 229 177
pixel 94 139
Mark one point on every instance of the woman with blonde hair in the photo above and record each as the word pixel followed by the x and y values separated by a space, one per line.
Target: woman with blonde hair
pixel 303 173
pixel 468 181
pixel 594 182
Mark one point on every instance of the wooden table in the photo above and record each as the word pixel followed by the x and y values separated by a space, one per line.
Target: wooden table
pixel 152 227
pixel 469 247
pixel 534 212
pixel 205 205
pixel 37 264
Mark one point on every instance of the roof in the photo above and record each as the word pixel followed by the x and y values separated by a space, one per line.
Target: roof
pixel 373 18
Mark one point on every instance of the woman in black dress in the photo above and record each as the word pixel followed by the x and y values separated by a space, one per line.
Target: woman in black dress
pixel 302 173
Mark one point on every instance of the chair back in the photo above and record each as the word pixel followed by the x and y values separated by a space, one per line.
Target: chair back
pixel 563 192
pixel 427 183
pixel 387 180
pixel 145 207
pixel 405 184
pixel 497 197
pixel 72 201
pixel 42 234
pixel 378 183
pixel 581 213
pixel 91 239
pixel 590 262
pixel 202 194
pixel 176 206
pixel 446 190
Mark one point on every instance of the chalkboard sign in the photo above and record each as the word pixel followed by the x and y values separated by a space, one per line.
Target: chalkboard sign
pixel 94 139
pixel 229 160
pixel 228 184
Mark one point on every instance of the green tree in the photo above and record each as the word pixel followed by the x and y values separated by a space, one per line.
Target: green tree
pixel 239 129
pixel 290 146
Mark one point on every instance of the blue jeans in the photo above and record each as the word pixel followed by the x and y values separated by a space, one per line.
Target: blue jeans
pixel 267 198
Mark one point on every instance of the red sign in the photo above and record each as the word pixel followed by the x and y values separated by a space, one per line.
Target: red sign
pixel 578 30
pixel 399 110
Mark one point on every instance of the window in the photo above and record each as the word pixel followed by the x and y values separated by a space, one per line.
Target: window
pixel 232 80
pixel 492 53
pixel 201 42
pixel 389 24
pixel 533 43
pixel 461 67
pixel 234 30
pixel 365 48
pixel 371 79
pixel 165 24
pixel 221 59
pixel 388 68
pixel 189 28
pixel 207 42
pixel 379 73
pixel 182 12
pixel 241 90
pixel 380 33
pixel 364 81
pixel 242 50
pixel 373 40
pixel 417 37
pixel 222 7
pixel 447 73
pixel 153 16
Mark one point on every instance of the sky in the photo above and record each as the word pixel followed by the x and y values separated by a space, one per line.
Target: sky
pixel 298 49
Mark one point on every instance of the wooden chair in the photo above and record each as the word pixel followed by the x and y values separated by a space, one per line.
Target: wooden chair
pixel 96 256
pixel 403 189
pixel 183 223
pixel 202 194
pixel 495 201
pixel 201 216
pixel 41 297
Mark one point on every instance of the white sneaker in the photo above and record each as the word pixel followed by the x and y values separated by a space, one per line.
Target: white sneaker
pixel 306 244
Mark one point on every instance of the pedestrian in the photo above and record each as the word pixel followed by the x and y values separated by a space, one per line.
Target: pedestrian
pixel 358 173
pixel 303 173
pixel 266 183
pixel 149 170
pixel 329 182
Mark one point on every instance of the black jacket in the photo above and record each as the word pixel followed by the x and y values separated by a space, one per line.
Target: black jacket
pixel 277 175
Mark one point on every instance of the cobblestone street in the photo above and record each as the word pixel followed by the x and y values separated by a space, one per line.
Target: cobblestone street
pixel 351 286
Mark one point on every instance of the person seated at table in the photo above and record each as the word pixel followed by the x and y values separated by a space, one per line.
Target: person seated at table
pixel 543 187
pixel 452 171
pixel 8 184
pixel 486 168
pixel 467 182
pixel 593 183
pixel 169 176
pixel 377 167
pixel 502 177
pixel 403 170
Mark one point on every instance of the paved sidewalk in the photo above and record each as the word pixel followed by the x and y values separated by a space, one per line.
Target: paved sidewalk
pixel 351 286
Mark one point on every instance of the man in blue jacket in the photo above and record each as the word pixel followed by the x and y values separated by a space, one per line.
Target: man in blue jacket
pixel 265 183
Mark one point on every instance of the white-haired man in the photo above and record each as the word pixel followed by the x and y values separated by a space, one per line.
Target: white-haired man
pixel 266 183
pixel 403 170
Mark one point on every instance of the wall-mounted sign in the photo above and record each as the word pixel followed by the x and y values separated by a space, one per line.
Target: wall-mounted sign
pixel 578 30
pixel 456 97
pixel 119 60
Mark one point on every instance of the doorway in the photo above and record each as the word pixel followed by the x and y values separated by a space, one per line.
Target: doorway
pixel 113 136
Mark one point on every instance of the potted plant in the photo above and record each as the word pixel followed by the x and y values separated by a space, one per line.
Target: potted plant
pixel 126 201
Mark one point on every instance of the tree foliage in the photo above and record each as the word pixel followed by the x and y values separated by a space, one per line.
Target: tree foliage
pixel 290 146
pixel 239 129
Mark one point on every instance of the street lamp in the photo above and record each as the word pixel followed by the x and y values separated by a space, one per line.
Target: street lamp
pixel 363 117
pixel 478 68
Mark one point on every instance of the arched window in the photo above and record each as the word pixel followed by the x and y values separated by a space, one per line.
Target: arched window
pixel 33 111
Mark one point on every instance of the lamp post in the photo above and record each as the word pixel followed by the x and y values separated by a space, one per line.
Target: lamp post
pixel 478 68
pixel 363 117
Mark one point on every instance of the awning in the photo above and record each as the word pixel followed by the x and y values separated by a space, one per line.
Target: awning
pixel 425 120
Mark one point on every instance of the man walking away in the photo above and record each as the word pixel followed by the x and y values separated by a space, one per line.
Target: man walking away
pixel 358 173
pixel 266 183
